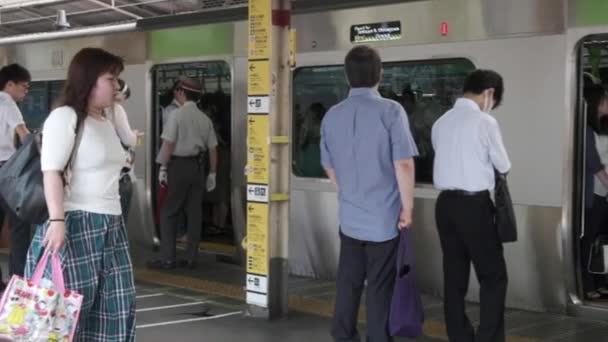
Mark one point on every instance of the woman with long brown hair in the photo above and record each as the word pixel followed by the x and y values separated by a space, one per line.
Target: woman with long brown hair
pixel 85 226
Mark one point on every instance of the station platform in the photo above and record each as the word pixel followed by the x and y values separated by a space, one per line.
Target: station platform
pixel 311 308
pixel 208 304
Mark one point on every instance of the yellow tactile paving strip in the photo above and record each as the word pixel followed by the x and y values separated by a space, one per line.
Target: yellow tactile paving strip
pixel 433 329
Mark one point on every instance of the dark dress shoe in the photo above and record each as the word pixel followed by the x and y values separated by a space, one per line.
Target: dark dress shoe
pixel 161 264
pixel 187 263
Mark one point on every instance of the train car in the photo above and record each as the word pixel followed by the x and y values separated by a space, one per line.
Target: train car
pixel 541 47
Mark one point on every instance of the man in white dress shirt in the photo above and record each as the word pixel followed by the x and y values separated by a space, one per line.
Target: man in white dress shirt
pixel 14 86
pixel 468 148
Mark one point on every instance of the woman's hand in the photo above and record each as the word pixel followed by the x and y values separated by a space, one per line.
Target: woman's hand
pixel 139 135
pixel 55 236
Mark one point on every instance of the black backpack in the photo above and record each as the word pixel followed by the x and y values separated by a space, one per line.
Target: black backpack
pixel 21 180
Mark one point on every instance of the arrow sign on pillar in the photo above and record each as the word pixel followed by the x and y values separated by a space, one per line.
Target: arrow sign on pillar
pixel 258 104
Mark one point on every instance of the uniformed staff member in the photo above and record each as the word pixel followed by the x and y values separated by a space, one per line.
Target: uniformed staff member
pixel 468 148
pixel 189 133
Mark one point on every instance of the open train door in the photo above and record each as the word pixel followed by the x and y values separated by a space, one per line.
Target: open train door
pixel 217 232
pixel 586 66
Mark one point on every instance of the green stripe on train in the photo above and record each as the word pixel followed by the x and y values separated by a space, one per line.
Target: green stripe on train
pixel 204 40
pixel 591 12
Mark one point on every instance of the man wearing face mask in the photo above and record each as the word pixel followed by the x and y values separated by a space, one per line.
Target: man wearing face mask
pixel 468 148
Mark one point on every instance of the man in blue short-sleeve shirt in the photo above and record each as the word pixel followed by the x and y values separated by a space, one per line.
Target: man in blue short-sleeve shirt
pixel 367 150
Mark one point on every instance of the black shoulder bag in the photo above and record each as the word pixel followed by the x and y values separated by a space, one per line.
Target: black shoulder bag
pixel 504 217
pixel 21 181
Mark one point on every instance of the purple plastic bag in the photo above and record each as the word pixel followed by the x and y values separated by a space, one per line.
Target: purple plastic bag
pixel 407 314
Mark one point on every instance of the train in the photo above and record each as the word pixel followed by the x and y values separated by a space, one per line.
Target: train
pixel 542 48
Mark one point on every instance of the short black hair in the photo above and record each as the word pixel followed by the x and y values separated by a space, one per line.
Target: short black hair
pixel 480 80
pixel 363 67
pixel 13 72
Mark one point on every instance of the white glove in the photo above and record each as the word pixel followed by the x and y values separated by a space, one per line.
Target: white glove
pixel 163 178
pixel 211 182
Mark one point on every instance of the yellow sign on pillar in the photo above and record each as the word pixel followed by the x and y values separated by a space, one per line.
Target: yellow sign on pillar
pixel 258 151
pixel 260 19
pixel 292 48
pixel 258 80
pixel 257 239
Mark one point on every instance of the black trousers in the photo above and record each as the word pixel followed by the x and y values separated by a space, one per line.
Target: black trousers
pixel 361 260
pixel 185 194
pixel 467 234
pixel 19 237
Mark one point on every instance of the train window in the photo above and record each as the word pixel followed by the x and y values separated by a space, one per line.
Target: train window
pixel 426 89
pixel 38 103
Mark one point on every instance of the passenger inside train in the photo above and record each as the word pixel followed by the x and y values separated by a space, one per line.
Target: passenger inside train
pixel 596 208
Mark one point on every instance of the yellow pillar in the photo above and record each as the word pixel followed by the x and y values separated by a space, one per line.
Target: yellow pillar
pixel 268 156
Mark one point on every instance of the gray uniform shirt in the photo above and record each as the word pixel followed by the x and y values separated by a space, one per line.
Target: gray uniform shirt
pixel 191 131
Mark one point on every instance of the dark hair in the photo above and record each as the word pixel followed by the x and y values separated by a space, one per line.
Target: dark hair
pixel 603 125
pixel 594 95
pixel 363 67
pixel 15 73
pixel 124 88
pixel 408 101
pixel 84 70
pixel 318 110
pixel 480 80
pixel 408 95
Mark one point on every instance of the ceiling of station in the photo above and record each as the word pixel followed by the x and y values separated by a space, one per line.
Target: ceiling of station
pixel 23 16
pixel 19 17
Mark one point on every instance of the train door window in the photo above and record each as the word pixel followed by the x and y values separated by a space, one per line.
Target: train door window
pixel 426 89
pixel 38 103
pixel 590 233
pixel 216 80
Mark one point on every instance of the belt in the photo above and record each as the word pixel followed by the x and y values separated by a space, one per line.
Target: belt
pixel 466 193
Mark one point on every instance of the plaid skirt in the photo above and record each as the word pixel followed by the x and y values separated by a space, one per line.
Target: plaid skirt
pixel 96 263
